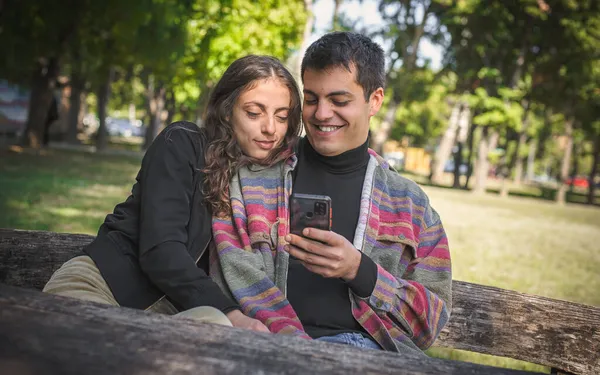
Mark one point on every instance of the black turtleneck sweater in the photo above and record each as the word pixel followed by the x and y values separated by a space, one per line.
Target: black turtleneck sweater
pixel 323 304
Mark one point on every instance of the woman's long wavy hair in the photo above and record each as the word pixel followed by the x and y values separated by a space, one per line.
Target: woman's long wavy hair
pixel 223 154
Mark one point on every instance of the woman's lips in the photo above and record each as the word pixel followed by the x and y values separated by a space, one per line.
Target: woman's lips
pixel 265 145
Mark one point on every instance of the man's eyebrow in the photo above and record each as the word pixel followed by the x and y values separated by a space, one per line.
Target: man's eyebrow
pixel 334 93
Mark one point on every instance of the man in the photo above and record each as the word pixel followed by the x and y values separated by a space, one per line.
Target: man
pixel 381 277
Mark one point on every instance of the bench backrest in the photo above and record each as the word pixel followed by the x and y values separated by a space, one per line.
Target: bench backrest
pixel 559 334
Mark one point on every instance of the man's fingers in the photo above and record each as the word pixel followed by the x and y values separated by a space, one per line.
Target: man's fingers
pixel 324 236
pixel 308 245
pixel 308 257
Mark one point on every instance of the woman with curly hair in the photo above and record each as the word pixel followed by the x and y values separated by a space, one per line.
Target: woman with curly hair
pixel 151 252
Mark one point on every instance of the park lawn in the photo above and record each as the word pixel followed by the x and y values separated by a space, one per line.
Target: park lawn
pixel 524 244
pixel 62 191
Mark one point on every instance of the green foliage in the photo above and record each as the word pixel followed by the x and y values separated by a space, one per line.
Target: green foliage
pixel 424 113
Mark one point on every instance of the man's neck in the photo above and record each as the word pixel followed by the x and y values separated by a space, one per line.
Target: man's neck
pixel 345 162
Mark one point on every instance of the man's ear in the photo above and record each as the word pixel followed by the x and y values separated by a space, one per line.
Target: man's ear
pixel 375 101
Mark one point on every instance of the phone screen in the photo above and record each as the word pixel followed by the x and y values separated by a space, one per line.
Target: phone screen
pixel 309 211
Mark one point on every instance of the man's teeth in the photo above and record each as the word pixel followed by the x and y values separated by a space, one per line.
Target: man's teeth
pixel 327 128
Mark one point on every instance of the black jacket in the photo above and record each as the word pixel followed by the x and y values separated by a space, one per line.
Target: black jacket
pixel 151 244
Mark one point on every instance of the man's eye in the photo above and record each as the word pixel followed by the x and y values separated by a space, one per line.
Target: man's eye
pixel 310 101
pixel 339 104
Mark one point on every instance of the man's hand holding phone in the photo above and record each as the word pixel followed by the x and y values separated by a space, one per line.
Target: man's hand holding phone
pixel 325 253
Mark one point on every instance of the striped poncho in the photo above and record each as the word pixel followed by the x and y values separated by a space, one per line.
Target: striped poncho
pixel 397 228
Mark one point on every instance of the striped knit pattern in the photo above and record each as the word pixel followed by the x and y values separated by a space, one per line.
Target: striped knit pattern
pixel 397 228
pixel 249 246
pixel 412 297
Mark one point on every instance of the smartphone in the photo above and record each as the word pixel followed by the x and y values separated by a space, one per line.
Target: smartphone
pixel 309 211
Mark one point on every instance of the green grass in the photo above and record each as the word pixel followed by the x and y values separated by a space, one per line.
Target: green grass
pixel 62 191
pixel 523 244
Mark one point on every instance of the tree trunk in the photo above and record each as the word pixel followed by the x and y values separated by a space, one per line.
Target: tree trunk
pixel 575 167
pixel 519 161
pixel 75 119
pixel 458 161
pixel 470 143
pixel 131 112
pixel 561 194
pixel 531 160
pixel 516 159
pixel 40 100
pixel 202 102
pixel 308 27
pixel 382 134
pixel 486 144
pixel 446 144
pixel 592 178
pixel 505 176
pixel 103 97
pixel 335 22
pixel 156 104
pixel 170 106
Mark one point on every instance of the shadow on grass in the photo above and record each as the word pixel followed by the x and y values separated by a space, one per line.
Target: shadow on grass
pixel 63 191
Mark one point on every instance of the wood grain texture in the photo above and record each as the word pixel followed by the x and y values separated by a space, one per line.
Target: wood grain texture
pixel 28 258
pixel 550 332
pixel 48 334
pixel 554 333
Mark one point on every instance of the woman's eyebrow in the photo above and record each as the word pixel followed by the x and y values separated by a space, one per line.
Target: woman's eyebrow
pixel 260 105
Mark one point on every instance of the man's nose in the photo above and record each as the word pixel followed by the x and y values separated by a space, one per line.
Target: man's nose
pixel 323 112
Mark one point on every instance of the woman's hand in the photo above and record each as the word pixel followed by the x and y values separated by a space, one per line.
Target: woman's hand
pixel 238 319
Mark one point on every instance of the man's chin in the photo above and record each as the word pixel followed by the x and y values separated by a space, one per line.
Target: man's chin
pixel 324 148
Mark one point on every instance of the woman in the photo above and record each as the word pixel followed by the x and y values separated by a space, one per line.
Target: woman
pixel 149 252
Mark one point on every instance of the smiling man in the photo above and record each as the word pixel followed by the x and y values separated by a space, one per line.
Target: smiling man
pixel 381 278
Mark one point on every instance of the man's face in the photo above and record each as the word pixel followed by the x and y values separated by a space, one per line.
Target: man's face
pixel 335 113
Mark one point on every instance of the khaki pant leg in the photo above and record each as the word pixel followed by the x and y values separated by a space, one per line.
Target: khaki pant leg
pixel 80 278
pixel 206 314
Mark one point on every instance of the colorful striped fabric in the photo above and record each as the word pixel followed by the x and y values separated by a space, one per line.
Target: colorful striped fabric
pixel 397 228
pixel 249 258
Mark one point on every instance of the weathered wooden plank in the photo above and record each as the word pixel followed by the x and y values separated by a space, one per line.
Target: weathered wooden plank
pixel 488 320
pixel 555 333
pixel 28 258
pixel 42 333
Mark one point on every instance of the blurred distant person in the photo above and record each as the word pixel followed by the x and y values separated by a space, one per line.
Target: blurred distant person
pixel 50 118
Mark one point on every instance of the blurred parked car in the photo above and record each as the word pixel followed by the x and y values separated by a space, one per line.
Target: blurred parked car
pixel 123 127
pixel 578 181
pixel 449 168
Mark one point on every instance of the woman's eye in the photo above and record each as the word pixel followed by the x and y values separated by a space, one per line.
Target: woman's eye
pixel 253 114
pixel 282 119
pixel 310 101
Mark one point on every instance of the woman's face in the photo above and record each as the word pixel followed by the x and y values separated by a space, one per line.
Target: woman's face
pixel 260 117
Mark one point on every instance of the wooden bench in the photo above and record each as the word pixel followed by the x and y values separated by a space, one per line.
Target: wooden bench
pixel 562 335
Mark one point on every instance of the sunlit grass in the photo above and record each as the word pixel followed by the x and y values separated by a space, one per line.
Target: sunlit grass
pixel 62 191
